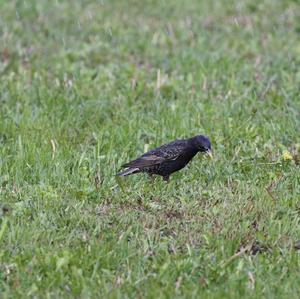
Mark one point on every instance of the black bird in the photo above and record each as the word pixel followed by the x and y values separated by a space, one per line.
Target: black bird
pixel 168 158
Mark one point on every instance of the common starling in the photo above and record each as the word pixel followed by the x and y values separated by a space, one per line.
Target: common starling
pixel 168 158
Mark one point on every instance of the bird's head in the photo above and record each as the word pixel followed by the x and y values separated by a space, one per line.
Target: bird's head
pixel 202 144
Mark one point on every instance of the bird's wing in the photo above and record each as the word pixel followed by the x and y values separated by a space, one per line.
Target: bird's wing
pixel 145 161
pixel 166 152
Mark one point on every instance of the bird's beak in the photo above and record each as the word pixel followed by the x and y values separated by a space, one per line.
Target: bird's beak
pixel 209 153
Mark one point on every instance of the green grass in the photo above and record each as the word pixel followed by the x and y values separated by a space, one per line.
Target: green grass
pixel 80 95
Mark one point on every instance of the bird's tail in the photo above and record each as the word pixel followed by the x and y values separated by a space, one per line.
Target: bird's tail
pixel 128 171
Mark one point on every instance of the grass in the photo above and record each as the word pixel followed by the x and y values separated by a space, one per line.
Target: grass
pixel 87 85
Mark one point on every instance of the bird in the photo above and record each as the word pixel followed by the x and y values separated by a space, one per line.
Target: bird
pixel 168 158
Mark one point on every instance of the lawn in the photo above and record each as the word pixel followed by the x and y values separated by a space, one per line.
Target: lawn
pixel 85 86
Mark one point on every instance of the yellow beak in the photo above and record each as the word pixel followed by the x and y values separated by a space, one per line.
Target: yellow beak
pixel 209 153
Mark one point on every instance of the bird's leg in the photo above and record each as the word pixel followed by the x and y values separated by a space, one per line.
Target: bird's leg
pixel 166 178
pixel 151 177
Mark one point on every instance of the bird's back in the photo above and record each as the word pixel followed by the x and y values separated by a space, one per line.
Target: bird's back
pixel 168 150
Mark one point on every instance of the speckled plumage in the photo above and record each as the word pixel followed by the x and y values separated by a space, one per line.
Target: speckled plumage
pixel 168 158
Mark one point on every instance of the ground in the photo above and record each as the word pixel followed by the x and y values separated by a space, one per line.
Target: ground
pixel 88 85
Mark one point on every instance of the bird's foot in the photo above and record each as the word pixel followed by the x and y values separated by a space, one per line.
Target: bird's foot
pixel 166 179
